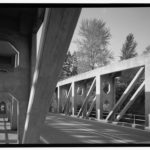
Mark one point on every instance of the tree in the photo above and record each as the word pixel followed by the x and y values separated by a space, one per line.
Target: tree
pixel 92 45
pixel 69 69
pixel 128 49
pixel 74 66
pixel 69 66
pixel 147 50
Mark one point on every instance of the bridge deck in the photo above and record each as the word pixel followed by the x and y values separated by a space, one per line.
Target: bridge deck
pixel 61 129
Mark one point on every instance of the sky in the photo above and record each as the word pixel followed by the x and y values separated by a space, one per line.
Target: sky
pixel 121 22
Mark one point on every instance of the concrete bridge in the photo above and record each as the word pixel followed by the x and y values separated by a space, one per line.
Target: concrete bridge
pixel 29 79
pixel 96 88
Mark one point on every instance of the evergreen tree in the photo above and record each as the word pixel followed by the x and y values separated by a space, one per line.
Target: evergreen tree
pixel 74 67
pixel 128 50
pixel 69 66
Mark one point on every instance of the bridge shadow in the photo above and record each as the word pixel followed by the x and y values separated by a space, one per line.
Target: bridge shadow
pixel 80 132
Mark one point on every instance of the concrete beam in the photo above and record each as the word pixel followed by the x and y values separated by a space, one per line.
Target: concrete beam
pixel 114 67
pixel 58 27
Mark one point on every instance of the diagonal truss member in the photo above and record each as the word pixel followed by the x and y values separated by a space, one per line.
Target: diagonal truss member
pixel 91 107
pixel 68 99
pixel 125 93
pixel 131 101
pixel 87 97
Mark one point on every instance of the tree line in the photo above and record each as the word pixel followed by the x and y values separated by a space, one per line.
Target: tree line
pixel 94 39
pixel 93 52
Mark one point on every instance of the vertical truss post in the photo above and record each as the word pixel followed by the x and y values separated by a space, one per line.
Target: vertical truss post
pixel 73 99
pixel 99 107
pixel 58 99
pixel 147 95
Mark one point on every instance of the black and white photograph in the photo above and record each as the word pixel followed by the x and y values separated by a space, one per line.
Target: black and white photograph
pixel 75 75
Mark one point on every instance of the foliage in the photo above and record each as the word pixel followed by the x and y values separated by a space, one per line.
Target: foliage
pixel 147 50
pixel 128 49
pixel 92 45
pixel 69 66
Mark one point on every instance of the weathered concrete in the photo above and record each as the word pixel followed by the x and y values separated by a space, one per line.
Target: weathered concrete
pixel 15 114
pixel 108 96
pixel 59 25
pixel 16 28
pixel 17 82
pixel 112 68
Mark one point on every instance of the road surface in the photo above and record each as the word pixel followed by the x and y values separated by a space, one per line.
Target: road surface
pixel 61 129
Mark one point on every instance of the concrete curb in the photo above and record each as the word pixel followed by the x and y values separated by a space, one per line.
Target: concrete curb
pixel 123 124
pixel 137 126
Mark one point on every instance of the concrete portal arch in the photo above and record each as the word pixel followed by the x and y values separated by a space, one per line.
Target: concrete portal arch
pixel 12 109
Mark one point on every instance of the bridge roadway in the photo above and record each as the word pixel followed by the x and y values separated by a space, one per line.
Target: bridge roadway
pixel 61 129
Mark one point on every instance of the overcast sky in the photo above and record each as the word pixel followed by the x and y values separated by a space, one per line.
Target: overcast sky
pixel 121 22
